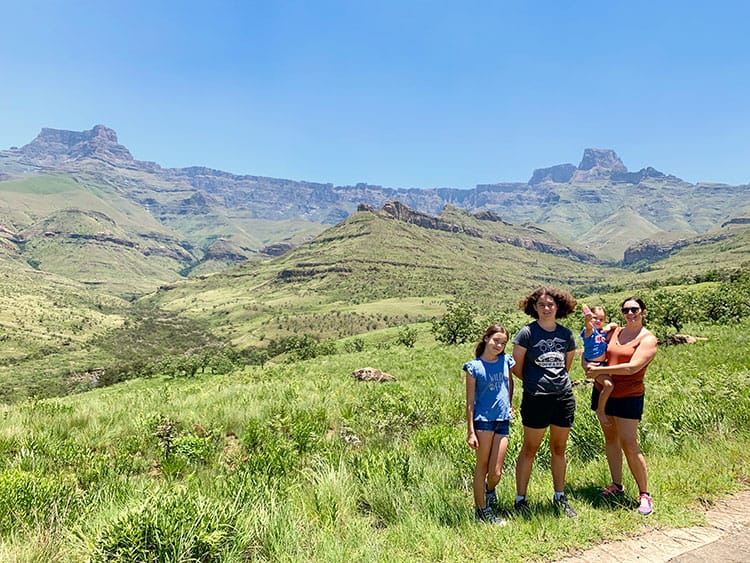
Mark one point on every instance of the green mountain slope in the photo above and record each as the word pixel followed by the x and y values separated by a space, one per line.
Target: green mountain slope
pixel 374 270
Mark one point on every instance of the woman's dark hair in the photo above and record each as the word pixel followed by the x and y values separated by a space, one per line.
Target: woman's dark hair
pixel 638 300
pixel 492 329
pixel 566 303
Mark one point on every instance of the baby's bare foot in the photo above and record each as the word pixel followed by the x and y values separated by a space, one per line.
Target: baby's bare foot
pixel 603 418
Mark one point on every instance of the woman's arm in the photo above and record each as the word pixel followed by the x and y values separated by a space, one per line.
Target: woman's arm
pixel 471 386
pixel 644 353
pixel 519 354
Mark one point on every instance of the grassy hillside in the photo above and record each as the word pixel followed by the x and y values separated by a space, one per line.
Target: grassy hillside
pixel 365 273
pixel 88 233
pixel 698 261
pixel 300 462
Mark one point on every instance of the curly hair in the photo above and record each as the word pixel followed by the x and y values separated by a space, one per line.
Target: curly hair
pixel 566 303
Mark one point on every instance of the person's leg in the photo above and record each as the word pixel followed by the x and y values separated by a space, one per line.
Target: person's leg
pixel 558 439
pixel 627 430
pixel 607 386
pixel 480 471
pixel 532 439
pixel 497 460
pixel 613 450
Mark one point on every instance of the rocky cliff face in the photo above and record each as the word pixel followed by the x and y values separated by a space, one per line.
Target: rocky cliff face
pixel 565 199
pixel 56 145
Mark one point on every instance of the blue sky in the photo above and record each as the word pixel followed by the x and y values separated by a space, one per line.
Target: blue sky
pixel 396 93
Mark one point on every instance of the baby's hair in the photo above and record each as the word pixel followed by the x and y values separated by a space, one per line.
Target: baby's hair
pixel 600 311
pixel 492 329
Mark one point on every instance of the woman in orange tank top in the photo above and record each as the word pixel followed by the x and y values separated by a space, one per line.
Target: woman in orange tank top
pixel 630 351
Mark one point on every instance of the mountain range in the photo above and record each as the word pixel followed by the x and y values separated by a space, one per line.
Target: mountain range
pixel 72 201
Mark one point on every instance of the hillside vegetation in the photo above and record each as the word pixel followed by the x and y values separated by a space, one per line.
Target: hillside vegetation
pixel 300 461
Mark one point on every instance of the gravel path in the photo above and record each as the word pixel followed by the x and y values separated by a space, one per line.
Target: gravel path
pixel 726 537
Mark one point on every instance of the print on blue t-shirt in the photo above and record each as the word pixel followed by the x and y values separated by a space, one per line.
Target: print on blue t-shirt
pixel 492 390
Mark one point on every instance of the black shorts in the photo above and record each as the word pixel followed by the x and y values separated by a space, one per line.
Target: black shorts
pixel 623 407
pixel 539 411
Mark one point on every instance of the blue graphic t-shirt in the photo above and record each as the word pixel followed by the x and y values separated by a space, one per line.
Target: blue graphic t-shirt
pixel 492 392
pixel 544 370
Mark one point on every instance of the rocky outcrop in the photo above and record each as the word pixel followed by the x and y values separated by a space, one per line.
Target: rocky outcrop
pixel 637 177
pixel 736 221
pixel 372 374
pixel 561 174
pixel 276 249
pixel 598 164
pixel 58 145
pixel 543 243
pixel 651 250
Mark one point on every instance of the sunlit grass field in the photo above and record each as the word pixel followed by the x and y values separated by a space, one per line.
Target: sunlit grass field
pixel 299 461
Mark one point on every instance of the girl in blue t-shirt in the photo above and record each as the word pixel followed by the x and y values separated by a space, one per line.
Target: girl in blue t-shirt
pixel 489 391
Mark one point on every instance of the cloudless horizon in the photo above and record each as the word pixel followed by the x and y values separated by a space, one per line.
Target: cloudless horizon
pixel 397 93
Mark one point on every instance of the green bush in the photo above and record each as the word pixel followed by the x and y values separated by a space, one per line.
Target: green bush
pixel 407 336
pixel 30 499
pixel 167 526
pixel 458 325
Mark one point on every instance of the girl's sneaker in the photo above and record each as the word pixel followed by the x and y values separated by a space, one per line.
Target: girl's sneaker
pixel 490 497
pixel 613 490
pixel 486 515
pixel 645 504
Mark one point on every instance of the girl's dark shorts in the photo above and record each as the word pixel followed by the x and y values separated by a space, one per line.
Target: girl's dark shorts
pixel 539 411
pixel 501 427
pixel 624 407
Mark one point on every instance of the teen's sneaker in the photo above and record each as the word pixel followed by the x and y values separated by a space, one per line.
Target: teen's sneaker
pixel 490 497
pixel 562 505
pixel 612 491
pixel 486 515
pixel 645 504
pixel 521 506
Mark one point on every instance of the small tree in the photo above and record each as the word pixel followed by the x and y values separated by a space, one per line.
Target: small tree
pixel 407 336
pixel 458 325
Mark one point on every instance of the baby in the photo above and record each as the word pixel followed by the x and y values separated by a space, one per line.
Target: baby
pixel 595 337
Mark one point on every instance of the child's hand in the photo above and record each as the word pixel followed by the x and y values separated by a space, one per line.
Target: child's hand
pixel 471 439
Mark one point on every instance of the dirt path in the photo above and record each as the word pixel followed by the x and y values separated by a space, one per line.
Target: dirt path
pixel 725 537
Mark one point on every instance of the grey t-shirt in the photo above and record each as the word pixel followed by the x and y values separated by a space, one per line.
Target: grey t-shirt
pixel 544 370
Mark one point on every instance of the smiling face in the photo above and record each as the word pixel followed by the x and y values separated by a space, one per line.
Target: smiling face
pixel 546 308
pixel 496 343
pixel 632 311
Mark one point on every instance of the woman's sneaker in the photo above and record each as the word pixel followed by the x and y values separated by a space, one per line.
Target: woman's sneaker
pixel 612 491
pixel 645 504
pixel 486 515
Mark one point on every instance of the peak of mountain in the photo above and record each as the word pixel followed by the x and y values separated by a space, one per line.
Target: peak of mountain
pixel 605 159
pixel 202 205
pixel 59 145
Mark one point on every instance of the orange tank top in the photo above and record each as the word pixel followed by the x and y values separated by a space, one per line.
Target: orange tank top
pixel 625 385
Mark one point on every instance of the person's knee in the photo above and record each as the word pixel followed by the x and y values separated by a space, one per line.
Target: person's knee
pixel 557 450
pixel 528 451
pixel 607 383
pixel 630 446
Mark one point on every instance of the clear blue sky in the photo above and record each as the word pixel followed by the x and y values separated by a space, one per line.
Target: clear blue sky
pixel 398 93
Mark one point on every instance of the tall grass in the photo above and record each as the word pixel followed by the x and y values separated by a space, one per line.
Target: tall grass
pixel 300 461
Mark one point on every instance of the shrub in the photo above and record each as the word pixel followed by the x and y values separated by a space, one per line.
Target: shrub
pixel 30 499
pixel 458 325
pixel 354 345
pixel 407 336
pixel 167 526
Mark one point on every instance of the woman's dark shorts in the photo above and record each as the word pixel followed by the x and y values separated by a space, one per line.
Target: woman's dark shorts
pixel 623 407
pixel 501 427
pixel 539 411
